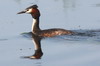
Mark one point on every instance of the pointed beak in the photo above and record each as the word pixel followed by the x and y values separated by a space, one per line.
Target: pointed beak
pixel 21 12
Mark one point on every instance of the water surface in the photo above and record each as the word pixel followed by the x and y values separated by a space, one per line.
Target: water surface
pixel 77 50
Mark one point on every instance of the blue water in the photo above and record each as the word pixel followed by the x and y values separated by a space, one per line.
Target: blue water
pixel 80 49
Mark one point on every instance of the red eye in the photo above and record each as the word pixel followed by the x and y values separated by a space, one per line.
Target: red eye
pixel 27 9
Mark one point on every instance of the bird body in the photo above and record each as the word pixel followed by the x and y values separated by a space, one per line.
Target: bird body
pixel 33 10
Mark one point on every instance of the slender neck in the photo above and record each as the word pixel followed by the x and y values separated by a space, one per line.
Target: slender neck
pixel 35 25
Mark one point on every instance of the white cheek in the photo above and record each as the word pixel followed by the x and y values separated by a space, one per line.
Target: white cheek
pixel 29 11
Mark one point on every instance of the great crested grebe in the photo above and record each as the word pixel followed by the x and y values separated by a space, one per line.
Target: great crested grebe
pixel 35 26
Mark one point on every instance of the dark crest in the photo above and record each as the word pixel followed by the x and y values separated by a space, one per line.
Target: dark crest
pixel 33 6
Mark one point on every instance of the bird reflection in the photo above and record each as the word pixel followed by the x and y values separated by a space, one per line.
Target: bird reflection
pixel 37 43
pixel 38 50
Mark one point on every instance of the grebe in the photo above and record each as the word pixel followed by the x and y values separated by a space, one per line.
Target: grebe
pixel 33 10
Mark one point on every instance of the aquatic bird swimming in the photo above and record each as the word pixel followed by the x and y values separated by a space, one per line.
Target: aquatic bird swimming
pixel 34 11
